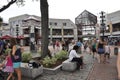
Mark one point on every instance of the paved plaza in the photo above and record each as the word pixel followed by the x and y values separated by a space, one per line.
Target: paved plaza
pixel 92 71
pixel 77 75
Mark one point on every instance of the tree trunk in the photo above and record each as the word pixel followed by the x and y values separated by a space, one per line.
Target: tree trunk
pixel 44 27
pixel 1 21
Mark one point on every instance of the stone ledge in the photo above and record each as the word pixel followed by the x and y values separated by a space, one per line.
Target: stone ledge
pixel 31 72
pixel 69 66
pixel 52 71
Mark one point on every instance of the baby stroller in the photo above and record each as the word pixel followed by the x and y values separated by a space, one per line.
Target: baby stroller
pixel 3 75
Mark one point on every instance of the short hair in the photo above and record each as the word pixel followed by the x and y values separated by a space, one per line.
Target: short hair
pixel 75 47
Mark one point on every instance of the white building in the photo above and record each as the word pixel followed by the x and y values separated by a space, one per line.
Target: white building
pixel 58 28
pixel 113 22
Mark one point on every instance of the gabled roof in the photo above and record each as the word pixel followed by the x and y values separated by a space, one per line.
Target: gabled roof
pixel 86 12
pixel 86 15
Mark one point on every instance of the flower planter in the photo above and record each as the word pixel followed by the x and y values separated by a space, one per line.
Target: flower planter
pixel 52 70
pixel 31 72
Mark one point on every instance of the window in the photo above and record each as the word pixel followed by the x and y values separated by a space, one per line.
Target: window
pixel 50 23
pixel 55 24
pixel 64 24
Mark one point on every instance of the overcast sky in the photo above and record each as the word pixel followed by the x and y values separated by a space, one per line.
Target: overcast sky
pixel 62 9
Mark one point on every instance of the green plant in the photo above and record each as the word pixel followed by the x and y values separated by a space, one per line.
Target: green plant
pixel 61 55
pixel 26 57
pixel 48 62
pixel 7 51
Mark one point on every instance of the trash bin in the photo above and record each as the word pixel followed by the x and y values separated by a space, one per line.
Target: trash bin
pixel 116 51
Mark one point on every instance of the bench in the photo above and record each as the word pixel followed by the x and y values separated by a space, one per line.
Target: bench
pixel 69 66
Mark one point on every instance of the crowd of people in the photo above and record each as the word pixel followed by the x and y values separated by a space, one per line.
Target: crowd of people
pixel 98 48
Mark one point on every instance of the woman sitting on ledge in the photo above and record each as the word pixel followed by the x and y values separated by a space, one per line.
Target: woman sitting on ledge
pixel 74 57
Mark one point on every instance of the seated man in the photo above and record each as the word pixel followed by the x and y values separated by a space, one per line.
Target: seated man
pixel 74 57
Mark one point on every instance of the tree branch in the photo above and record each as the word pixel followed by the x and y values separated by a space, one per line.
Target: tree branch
pixel 8 5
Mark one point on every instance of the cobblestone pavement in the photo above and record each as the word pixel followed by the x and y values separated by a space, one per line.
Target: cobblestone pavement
pixel 77 75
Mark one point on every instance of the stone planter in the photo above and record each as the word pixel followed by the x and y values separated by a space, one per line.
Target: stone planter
pixel 52 70
pixel 31 72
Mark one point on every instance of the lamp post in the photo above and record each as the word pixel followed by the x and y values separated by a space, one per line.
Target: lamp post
pixel 32 39
pixel 17 31
pixel 1 20
pixel 102 23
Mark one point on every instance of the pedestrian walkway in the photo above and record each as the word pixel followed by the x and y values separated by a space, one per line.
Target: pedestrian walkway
pixel 92 71
pixel 106 71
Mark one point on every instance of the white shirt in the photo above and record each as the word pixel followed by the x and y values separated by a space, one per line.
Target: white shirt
pixel 73 54
pixel 107 49
pixel 119 50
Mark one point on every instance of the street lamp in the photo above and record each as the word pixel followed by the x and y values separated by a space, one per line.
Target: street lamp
pixel 102 23
pixel 1 20
pixel 17 31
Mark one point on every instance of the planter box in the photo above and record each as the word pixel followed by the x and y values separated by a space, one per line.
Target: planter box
pixel 31 72
pixel 52 70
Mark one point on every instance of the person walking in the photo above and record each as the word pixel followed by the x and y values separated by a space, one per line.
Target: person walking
pixel 94 48
pixel 16 57
pixel 107 53
pixel 101 50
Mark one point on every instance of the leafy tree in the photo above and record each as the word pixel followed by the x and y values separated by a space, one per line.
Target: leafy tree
pixel 44 21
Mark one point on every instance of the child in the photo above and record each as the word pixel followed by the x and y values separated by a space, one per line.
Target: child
pixel 9 66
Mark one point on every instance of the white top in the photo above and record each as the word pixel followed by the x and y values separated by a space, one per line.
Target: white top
pixel 73 54
pixel 107 49
pixel 119 50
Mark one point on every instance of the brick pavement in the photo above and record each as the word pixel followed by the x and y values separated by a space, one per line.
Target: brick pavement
pixel 106 71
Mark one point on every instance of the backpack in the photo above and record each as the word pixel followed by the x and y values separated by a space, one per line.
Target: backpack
pixel 17 57
pixel 34 64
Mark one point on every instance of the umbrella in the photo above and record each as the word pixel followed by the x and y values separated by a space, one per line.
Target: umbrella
pixel 20 37
pixel 6 37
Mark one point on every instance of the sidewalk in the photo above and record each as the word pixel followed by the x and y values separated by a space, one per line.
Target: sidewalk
pixel 106 71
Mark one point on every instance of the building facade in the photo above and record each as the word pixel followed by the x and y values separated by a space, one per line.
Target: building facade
pixel 86 24
pixel 113 22
pixel 30 27
pixel 4 29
